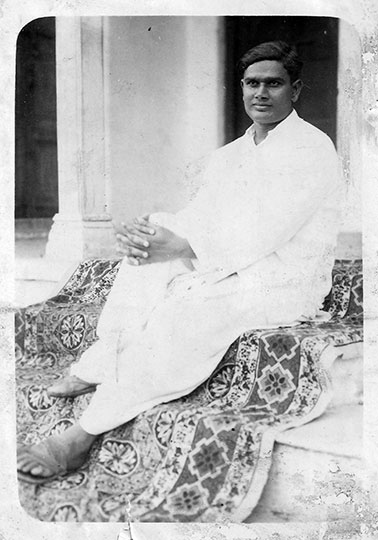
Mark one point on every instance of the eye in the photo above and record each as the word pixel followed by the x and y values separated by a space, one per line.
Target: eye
pixel 274 84
pixel 251 83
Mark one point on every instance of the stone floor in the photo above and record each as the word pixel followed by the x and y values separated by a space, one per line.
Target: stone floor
pixel 306 484
pixel 36 279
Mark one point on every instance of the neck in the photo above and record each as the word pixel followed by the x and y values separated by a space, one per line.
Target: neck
pixel 262 130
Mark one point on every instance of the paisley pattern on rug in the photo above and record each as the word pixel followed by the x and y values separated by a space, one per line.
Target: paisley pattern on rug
pixel 198 458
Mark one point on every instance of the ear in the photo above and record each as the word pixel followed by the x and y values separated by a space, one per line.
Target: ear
pixel 242 83
pixel 296 88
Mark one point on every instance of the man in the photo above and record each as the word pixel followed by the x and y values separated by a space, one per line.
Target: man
pixel 253 249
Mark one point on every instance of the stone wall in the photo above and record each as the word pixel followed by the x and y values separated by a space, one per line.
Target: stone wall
pixel 163 107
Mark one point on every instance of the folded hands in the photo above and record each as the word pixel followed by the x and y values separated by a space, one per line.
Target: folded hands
pixel 142 242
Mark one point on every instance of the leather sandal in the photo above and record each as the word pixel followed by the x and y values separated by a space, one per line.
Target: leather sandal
pixel 70 386
pixel 48 455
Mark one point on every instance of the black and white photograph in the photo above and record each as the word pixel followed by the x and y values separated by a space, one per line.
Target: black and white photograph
pixel 191 247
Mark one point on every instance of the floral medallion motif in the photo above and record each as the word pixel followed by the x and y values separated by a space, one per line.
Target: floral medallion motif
pixel 187 500
pixel 275 384
pixel 38 399
pixel 61 426
pixel 220 383
pixel 280 346
pixel 208 459
pixel 71 331
pixel 75 480
pixel 163 427
pixel 117 457
pixel 67 512
pixel 45 360
pixel 115 506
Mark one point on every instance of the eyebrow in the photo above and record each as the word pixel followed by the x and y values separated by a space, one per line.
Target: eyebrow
pixel 264 79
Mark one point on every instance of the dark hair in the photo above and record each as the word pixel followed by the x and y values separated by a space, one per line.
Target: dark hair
pixel 273 50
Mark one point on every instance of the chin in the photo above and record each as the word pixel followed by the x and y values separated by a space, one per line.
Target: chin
pixel 266 118
pixel 262 117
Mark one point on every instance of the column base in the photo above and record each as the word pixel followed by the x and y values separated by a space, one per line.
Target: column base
pixel 73 239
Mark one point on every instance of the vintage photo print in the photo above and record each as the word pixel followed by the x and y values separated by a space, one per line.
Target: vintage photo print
pixel 192 204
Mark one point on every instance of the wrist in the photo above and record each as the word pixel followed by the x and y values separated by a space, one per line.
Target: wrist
pixel 186 251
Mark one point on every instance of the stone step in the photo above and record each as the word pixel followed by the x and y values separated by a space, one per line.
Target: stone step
pixel 346 374
pixel 315 472
pixel 317 468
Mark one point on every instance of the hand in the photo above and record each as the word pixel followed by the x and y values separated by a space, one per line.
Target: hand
pixel 143 243
pixel 134 238
pixel 165 245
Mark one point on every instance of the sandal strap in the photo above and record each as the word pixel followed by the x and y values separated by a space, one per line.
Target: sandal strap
pixel 48 454
pixel 69 385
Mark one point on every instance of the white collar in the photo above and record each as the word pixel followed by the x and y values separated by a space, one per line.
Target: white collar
pixel 285 126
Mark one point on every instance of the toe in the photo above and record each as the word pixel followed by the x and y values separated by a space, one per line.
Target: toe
pixel 39 470
pixel 23 462
pixel 34 469
pixel 28 463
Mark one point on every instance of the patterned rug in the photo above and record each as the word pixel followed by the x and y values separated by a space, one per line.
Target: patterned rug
pixel 204 457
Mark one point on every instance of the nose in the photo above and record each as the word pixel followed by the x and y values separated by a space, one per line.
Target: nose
pixel 261 91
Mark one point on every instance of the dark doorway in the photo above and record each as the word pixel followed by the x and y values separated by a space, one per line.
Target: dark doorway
pixel 316 39
pixel 36 175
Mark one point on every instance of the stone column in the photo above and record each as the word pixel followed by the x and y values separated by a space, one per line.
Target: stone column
pixel 83 226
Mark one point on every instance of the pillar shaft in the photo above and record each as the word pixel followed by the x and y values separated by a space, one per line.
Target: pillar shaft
pixel 83 227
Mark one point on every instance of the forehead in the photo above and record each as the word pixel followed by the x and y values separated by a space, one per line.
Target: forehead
pixel 267 69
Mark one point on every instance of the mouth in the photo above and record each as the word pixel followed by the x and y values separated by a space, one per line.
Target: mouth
pixel 261 106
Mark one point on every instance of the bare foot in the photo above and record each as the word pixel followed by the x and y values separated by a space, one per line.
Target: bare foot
pixel 56 455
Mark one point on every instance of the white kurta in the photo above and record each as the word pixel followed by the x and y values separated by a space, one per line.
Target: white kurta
pixel 263 227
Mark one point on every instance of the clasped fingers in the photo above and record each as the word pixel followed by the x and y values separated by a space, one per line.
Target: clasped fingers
pixel 139 227
pixel 136 239
pixel 131 256
pixel 132 246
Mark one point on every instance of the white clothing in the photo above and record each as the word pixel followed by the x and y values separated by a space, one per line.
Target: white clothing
pixel 263 227
pixel 270 211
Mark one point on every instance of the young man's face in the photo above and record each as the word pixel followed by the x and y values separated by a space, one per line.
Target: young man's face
pixel 268 93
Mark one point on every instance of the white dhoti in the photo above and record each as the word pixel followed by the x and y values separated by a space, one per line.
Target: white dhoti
pixel 165 347
pixel 163 330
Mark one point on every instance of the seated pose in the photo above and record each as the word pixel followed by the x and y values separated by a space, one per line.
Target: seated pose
pixel 253 249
